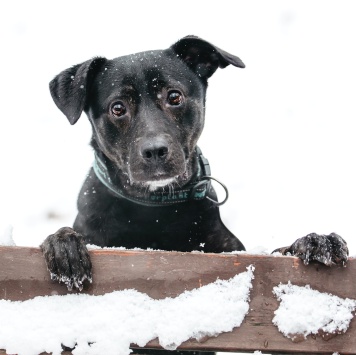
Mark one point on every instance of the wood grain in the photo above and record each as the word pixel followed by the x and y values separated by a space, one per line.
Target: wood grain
pixel 23 275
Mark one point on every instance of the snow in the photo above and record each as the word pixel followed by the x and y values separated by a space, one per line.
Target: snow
pixel 280 133
pixel 112 321
pixel 311 311
pixel 6 235
pixel 285 123
pixel 257 250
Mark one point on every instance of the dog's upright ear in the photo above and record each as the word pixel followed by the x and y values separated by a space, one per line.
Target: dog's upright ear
pixel 203 57
pixel 70 88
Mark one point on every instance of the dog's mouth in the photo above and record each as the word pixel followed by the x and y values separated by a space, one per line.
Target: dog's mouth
pixel 156 184
pixel 172 174
pixel 162 181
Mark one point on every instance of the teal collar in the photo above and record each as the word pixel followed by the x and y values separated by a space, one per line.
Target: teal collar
pixel 198 190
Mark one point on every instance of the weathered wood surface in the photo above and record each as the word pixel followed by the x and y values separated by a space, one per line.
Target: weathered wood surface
pixel 23 275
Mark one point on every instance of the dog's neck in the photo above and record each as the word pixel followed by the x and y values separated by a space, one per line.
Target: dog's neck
pixel 196 188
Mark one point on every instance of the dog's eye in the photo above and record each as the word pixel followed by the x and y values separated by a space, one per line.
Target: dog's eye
pixel 175 98
pixel 118 109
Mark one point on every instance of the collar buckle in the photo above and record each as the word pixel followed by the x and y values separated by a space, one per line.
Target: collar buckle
pixel 207 181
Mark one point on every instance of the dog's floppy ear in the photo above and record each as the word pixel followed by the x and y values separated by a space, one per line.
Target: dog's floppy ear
pixel 203 57
pixel 69 89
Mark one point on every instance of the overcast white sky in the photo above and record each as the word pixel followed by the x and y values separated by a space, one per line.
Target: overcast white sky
pixel 280 133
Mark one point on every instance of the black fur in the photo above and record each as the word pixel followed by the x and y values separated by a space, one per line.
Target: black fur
pixel 147 113
pixel 327 249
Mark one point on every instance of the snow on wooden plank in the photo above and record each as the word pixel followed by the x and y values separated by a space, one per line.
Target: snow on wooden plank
pixel 23 275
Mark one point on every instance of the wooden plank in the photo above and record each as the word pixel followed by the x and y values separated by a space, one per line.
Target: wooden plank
pixel 23 275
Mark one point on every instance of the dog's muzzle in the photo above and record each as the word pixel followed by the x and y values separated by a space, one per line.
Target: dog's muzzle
pixel 197 190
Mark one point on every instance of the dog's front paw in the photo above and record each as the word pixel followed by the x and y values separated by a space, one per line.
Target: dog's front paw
pixel 327 249
pixel 67 258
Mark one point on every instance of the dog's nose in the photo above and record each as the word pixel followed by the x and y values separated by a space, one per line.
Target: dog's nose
pixel 155 150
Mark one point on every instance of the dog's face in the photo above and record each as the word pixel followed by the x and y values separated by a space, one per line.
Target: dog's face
pixel 147 113
pixel 146 109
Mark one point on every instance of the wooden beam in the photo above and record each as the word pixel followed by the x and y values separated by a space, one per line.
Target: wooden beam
pixel 23 275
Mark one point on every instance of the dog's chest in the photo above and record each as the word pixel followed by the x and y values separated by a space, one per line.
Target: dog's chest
pixel 181 227
pixel 177 227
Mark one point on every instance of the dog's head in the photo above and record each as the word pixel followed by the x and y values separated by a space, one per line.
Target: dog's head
pixel 146 109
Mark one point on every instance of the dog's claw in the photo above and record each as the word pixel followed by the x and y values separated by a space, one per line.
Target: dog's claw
pixel 67 258
pixel 327 249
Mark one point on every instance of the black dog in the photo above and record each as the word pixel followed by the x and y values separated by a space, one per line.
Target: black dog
pixel 150 184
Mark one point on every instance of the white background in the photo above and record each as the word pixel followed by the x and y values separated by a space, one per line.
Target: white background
pixel 280 133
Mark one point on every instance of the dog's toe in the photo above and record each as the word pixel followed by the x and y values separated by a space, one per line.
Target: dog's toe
pixel 67 258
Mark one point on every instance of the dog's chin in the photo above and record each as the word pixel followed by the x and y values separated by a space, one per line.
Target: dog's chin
pixel 156 184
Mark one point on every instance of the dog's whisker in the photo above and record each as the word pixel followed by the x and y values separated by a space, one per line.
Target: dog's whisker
pixel 178 184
